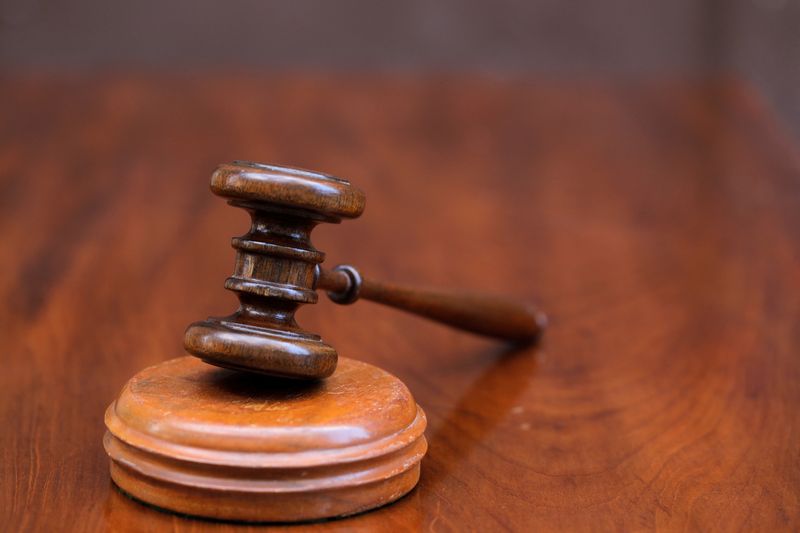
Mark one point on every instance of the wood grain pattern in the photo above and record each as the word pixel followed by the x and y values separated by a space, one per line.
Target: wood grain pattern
pixel 275 270
pixel 659 225
pixel 204 441
pixel 500 317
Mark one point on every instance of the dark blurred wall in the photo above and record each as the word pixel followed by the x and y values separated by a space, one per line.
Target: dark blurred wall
pixel 758 39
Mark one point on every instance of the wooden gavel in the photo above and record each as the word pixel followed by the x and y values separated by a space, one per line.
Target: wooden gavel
pixel 277 269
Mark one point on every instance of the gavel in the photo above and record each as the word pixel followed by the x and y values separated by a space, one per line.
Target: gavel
pixel 277 269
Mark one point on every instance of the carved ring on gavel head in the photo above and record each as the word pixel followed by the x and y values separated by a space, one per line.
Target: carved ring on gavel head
pixel 277 269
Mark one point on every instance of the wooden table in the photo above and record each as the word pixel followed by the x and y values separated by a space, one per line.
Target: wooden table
pixel 659 225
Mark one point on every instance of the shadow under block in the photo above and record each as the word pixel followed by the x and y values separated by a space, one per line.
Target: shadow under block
pixel 201 440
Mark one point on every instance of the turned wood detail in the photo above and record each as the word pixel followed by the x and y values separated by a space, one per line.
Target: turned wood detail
pixel 277 269
pixel 205 441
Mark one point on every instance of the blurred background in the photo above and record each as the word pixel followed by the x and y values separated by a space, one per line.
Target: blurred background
pixel 758 40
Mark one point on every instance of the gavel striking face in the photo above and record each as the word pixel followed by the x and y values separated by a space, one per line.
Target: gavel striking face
pixel 277 269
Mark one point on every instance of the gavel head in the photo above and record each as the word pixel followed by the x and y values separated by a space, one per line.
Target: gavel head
pixel 276 270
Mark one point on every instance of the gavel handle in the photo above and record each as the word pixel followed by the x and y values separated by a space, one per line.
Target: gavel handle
pixel 488 315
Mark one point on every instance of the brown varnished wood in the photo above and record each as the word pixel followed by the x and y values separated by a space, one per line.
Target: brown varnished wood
pixel 205 441
pixel 277 269
pixel 485 314
pixel 658 225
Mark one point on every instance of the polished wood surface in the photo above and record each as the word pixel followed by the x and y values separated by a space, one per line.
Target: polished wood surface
pixel 204 441
pixel 499 317
pixel 659 226
pixel 275 270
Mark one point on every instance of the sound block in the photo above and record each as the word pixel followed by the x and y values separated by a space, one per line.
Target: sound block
pixel 200 440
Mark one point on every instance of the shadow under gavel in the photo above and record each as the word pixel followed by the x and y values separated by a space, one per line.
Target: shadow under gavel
pixel 277 269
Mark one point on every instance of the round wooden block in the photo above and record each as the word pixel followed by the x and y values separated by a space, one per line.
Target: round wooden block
pixel 201 440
